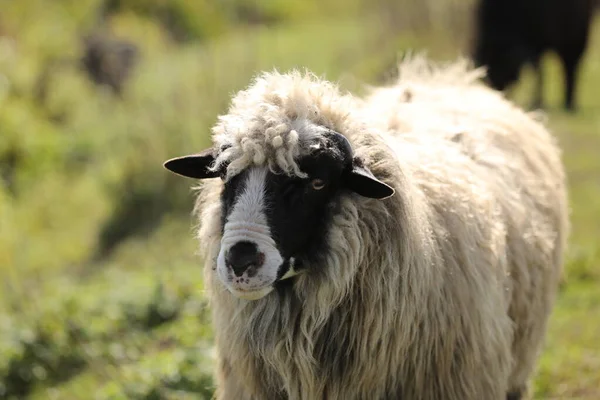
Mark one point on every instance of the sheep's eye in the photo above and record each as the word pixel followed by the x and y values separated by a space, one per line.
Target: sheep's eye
pixel 317 184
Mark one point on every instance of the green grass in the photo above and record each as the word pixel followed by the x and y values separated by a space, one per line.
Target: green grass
pixel 101 290
pixel 571 361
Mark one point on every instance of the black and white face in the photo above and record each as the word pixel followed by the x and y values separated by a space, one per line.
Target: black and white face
pixel 272 223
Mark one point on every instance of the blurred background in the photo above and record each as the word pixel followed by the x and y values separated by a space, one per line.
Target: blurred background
pixel 101 295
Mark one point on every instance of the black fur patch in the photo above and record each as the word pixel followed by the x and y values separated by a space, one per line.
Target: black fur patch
pixel 298 214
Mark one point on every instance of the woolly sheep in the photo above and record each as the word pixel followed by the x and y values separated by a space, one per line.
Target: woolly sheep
pixel 404 245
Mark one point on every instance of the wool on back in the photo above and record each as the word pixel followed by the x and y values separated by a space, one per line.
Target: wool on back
pixel 442 290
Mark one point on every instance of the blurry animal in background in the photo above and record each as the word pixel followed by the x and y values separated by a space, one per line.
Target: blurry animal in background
pixel 109 61
pixel 405 245
pixel 512 33
pixel 106 61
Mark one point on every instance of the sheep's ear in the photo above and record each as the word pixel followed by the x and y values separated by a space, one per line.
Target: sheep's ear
pixel 360 180
pixel 193 165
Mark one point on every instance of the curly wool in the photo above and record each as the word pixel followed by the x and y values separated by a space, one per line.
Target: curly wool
pixel 268 134
pixel 443 290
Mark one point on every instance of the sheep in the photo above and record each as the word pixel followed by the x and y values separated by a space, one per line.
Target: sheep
pixel 511 33
pixel 406 244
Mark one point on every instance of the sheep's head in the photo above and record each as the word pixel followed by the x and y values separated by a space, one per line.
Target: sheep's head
pixel 274 221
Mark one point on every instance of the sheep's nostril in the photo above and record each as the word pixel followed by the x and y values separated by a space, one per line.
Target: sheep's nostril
pixel 244 256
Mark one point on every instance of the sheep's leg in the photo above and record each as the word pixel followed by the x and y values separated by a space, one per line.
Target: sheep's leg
pixel 538 101
pixel 571 57
pixel 571 64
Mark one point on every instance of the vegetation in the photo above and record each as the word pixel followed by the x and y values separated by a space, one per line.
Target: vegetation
pixel 101 290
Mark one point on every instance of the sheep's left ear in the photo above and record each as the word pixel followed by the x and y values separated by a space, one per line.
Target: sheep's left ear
pixel 361 181
pixel 193 165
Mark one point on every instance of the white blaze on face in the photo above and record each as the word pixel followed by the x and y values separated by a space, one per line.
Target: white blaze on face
pixel 247 222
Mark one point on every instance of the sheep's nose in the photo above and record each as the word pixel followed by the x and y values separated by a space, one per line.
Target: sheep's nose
pixel 242 256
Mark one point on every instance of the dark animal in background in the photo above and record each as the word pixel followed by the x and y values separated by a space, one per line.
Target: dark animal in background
pixel 109 61
pixel 105 61
pixel 512 33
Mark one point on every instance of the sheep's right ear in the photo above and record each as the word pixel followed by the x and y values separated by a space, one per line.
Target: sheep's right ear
pixel 193 165
pixel 362 181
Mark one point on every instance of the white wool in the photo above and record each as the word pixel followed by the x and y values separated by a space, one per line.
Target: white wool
pixel 441 291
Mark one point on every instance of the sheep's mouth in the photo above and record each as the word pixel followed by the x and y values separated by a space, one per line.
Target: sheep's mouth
pixel 289 268
pixel 243 289
pixel 254 294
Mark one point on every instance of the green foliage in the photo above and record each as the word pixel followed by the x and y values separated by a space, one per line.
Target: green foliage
pixel 109 323
pixel 184 19
pixel 163 375
pixel 43 353
pixel 270 12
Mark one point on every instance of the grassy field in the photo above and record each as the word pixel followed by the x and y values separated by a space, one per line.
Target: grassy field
pixel 101 293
